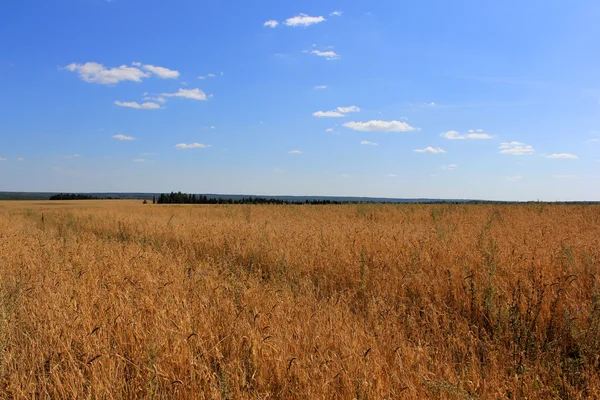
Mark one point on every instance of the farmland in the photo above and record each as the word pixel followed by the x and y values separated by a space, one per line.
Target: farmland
pixel 113 299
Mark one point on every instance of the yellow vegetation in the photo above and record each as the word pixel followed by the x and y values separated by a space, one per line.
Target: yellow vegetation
pixel 115 299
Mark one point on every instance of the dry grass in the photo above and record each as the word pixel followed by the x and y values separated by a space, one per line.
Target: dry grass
pixel 115 300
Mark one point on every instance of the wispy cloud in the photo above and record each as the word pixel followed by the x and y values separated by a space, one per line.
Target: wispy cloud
pixel 514 178
pixel 20 159
pixel 449 167
pixel 338 112
pixel 183 146
pixel 133 104
pixel 516 148
pixel 391 175
pixel 328 114
pixel 380 126
pixel 433 150
pixel 565 156
pixel 162 72
pixel 94 72
pixel 328 54
pixel 321 87
pixel 70 156
pixel 294 152
pixel 303 20
pixel 3 159
pixel 367 143
pixel 329 130
pixel 336 13
pixel 473 134
pixel 194 94
pixel 566 176
pixel 97 73
pixel 346 110
pixel 138 160
pixel 123 137
pixel 159 99
pixel 271 23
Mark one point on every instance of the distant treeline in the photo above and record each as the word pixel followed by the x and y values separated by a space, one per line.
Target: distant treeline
pixel 185 198
pixel 77 196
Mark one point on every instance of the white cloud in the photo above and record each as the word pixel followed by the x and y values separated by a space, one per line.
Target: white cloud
pixel 566 176
pixel 391 175
pixel 336 13
pixel 20 159
pixel 329 130
pixel 346 110
pixel 136 64
pixel 194 94
pixel 329 55
pixel 515 148
pixel 133 104
pixel 123 137
pixel 303 20
pixel 201 77
pixel 328 114
pixel 449 167
pixel 366 142
pixel 211 75
pixel 183 146
pixel 338 112
pixel 433 150
pixel 271 23
pixel 514 178
pixel 593 141
pixel 294 152
pixel 3 159
pixel 162 72
pixel 380 126
pixel 563 156
pixel 321 87
pixel 455 135
pixel 159 99
pixel 98 73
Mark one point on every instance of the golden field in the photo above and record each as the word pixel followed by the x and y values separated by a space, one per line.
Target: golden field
pixel 115 299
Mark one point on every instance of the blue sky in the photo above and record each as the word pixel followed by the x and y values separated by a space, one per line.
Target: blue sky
pixel 466 99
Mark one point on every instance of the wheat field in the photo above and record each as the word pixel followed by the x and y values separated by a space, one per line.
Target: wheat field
pixel 115 299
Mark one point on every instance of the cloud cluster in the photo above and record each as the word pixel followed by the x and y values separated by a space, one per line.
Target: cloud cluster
pixel 303 20
pixel 432 150
pixel 300 20
pixel 564 156
pixel 183 146
pixel 338 112
pixel 380 126
pixel 516 148
pixel 194 94
pixel 123 137
pixel 94 72
pixel 473 134
pixel 132 104
pixel 329 55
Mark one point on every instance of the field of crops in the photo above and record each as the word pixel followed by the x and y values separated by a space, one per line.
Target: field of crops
pixel 115 299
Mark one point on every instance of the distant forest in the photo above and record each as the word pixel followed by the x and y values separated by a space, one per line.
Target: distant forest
pixel 185 198
pixel 77 196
